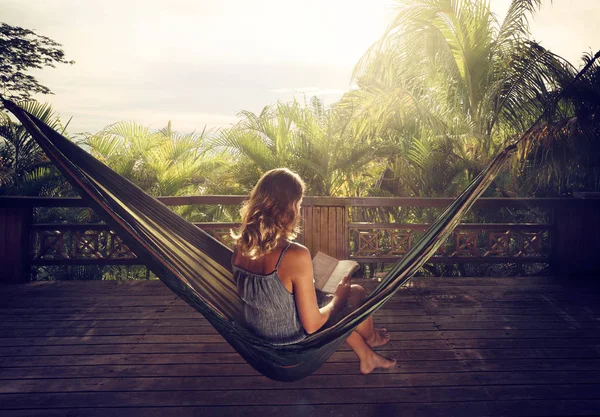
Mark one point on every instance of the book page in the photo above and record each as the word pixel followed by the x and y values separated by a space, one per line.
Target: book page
pixel 342 269
pixel 323 267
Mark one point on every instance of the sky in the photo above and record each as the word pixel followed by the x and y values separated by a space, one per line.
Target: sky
pixel 198 63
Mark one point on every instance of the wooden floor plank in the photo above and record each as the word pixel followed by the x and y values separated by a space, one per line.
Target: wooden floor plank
pixel 240 397
pixel 382 380
pixel 468 347
pixel 200 357
pixel 132 357
pixel 193 326
pixel 350 369
pixel 384 316
pixel 209 336
pixel 235 369
pixel 524 343
pixel 80 346
pixel 138 346
pixel 468 409
pixel 285 396
pixel 107 310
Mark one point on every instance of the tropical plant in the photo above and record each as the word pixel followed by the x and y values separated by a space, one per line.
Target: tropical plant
pixel 163 162
pixel 562 154
pixel 25 169
pixel 258 142
pixel 328 148
pixel 450 69
pixel 20 50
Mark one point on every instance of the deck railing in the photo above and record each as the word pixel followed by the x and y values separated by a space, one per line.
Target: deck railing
pixel 564 233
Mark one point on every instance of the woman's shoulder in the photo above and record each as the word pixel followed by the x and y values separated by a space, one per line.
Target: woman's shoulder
pixel 297 256
pixel 296 249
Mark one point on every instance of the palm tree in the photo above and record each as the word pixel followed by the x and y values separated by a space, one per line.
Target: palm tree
pixel 25 169
pixel 335 151
pixel 163 163
pixel 124 146
pixel 327 147
pixel 449 68
pixel 258 142
pixel 562 155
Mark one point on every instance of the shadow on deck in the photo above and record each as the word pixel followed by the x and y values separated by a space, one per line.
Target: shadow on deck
pixel 465 347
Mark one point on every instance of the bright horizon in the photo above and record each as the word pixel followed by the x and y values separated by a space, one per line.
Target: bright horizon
pixel 199 63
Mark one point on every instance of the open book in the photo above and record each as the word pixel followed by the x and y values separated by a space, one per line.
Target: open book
pixel 328 271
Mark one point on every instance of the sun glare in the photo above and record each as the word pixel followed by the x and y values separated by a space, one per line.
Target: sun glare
pixel 334 33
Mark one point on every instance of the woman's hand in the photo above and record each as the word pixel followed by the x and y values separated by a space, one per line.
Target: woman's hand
pixel 342 292
pixel 297 265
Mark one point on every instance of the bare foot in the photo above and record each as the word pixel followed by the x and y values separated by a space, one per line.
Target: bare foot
pixel 373 361
pixel 380 337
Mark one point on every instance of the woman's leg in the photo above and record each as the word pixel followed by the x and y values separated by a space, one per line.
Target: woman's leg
pixel 373 336
pixel 369 359
pixel 366 336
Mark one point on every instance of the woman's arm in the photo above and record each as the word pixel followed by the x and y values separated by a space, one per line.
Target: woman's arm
pixel 311 316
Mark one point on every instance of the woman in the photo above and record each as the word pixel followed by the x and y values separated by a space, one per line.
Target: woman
pixel 275 278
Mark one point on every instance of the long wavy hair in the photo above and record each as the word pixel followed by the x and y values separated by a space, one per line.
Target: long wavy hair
pixel 270 213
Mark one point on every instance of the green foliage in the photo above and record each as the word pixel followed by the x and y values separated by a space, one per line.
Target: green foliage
pixel 161 163
pixel 165 163
pixel 445 88
pixel 21 50
pixel 25 169
pixel 327 147
pixel 452 84
pixel 562 154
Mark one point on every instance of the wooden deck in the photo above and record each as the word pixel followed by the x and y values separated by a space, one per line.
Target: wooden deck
pixel 465 347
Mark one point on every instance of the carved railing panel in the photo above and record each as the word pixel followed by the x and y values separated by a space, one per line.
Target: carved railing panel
pixel 469 242
pixel 563 237
pixel 53 244
pixel 95 243
pixel 75 244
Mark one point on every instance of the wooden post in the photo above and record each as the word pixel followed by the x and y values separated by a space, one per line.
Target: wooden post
pixel 576 239
pixel 324 229
pixel 14 244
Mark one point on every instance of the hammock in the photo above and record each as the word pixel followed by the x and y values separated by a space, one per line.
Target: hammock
pixel 197 267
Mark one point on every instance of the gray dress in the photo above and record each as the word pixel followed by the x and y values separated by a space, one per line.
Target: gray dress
pixel 269 308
